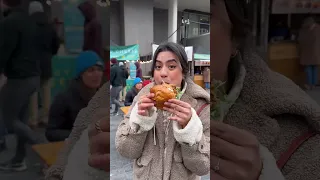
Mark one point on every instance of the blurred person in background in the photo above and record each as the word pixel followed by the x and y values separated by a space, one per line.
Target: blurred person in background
pixel 125 77
pixel 138 70
pixel 309 44
pixel 116 80
pixel 21 66
pixel 92 29
pixel 267 127
pixel 131 94
pixel 206 77
pixel 47 44
pixel 67 105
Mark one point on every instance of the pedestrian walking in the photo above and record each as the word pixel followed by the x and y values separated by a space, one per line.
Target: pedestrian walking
pixel 125 77
pixel 21 66
pixel 138 70
pixel 309 44
pixel 47 44
pixel 116 80
pixel 206 77
pixel 92 29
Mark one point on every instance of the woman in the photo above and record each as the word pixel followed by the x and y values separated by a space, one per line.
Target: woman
pixel 309 43
pixel 67 105
pixel 264 112
pixel 163 145
pixel 137 86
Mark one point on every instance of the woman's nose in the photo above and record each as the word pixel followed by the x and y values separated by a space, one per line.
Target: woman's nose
pixel 163 72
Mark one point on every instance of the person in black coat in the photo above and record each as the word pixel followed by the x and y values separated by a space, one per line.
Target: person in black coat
pixel 67 105
pixel 47 45
pixel 137 86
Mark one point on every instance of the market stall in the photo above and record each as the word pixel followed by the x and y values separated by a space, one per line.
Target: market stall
pixel 201 61
pixel 128 55
pixel 286 19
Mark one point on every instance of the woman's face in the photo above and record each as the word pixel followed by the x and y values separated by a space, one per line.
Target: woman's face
pixel 220 40
pixel 92 77
pixel 139 86
pixel 168 69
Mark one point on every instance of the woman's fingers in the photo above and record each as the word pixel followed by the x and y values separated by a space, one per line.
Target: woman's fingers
pixel 100 143
pixel 179 103
pixel 174 107
pixel 232 134
pixel 100 161
pixel 144 106
pixel 222 167
pixel 225 149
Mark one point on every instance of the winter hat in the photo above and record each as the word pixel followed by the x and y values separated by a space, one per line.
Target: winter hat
pixel 137 81
pixel 12 3
pixel 120 63
pixel 87 59
pixel 114 61
pixel 34 7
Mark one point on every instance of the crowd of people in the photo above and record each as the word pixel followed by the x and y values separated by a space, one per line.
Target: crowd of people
pixel 29 40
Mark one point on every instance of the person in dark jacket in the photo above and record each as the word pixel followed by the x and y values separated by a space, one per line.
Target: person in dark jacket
pixel 92 29
pixel 22 69
pixel 138 70
pixel 137 86
pixel 47 45
pixel 67 105
pixel 116 80
pixel 125 77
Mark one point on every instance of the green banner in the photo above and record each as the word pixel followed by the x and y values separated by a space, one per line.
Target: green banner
pixel 130 53
pixel 202 56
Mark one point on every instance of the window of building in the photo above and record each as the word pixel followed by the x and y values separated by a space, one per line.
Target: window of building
pixel 196 24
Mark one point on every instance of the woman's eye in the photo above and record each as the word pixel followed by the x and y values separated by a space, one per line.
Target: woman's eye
pixel 158 67
pixel 172 67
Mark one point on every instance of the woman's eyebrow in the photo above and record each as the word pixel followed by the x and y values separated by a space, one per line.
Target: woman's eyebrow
pixel 168 61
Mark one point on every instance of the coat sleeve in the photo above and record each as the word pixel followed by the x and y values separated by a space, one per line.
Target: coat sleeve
pixel 8 41
pixel 195 142
pixel 55 41
pixel 132 131
pixel 269 169
pixel 57 113
pixel 128 99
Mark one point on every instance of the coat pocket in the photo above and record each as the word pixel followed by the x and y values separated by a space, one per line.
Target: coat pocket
pixel 142 167
pixel 177 154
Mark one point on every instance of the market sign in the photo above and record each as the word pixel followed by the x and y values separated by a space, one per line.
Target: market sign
pixel 73 26
pixel 201 56
pixel 129 53
pixel 295 6
pixel 202 62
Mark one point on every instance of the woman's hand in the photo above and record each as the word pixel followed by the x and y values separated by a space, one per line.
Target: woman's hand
pixel 99 142
pixel 234 153
pixel 145 103
pixel 181 110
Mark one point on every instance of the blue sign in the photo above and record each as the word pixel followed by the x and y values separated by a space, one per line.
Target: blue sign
pixel 73 26
pixel 133 70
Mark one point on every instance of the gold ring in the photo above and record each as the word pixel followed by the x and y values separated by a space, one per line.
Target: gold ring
pixel 97 126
